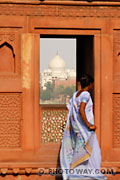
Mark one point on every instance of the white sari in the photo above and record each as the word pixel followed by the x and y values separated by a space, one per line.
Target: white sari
pixel 80 154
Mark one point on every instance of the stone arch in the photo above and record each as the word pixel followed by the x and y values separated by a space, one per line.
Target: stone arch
pixel 7 58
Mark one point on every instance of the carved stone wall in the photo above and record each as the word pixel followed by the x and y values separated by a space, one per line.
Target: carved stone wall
pixel 59 10
pixel 7 37
pixel 53 123
pixel 52 119
pixel 10 52
pixel 10 120
pixel 116 120
pixel 116 64
pixel 116 89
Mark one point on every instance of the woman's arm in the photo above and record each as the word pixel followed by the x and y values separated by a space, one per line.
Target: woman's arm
pixel 83 116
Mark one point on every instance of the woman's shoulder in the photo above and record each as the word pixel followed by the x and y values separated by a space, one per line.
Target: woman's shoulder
pixel 80 94
pixel 85 93
pixel 84 96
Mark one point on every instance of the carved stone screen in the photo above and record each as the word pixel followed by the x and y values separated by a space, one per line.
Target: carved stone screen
pixel 57 70
pixel 10 120
pixel 53 124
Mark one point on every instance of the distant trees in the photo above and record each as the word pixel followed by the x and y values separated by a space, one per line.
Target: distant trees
pixel 51 92
pixel 48 92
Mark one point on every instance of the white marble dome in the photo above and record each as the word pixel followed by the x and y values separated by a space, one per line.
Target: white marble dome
pixel 57 64
pixel 72 74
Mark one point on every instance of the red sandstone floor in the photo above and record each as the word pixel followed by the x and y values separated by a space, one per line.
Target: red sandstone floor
pixel 36 177
pixel 116 177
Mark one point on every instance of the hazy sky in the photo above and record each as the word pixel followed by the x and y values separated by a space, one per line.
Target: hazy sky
pixel 66 49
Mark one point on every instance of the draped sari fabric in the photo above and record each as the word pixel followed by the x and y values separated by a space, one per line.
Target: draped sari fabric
pixel 80 155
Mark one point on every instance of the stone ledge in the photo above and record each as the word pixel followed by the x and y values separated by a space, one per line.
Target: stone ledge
pixel 65 2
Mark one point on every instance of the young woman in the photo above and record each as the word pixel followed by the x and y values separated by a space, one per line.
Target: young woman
pixel 80 155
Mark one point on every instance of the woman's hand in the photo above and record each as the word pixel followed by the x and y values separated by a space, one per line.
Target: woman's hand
pixel 92 127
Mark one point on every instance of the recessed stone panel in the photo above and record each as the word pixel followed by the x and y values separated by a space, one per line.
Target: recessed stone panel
pixel 10 120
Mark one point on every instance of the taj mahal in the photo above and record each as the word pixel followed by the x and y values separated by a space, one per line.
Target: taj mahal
pixel 57 71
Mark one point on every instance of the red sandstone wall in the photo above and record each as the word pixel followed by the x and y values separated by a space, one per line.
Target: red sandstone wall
pixel 25 140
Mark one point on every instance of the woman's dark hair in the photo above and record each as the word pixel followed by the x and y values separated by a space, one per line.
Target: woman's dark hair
pixel 85 80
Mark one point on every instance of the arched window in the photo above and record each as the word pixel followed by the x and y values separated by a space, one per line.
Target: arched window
pixel 7 58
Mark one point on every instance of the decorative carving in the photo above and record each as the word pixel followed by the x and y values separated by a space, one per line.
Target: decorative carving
pixel 7 37
pixel 15 170
pixel 116 62
pixel 59 10
pixel 28 170
pixel 38 171
pixel 116 46
pixel 53 123
pixel 10 59
pixel 24 171
pixel 4 171
pixel 116 119
pixel 10 120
